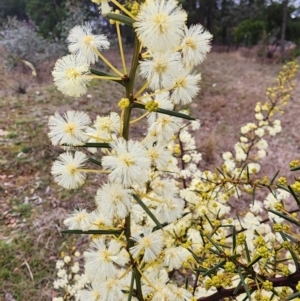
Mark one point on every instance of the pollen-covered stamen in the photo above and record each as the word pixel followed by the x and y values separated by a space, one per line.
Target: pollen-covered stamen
pixel 81 216
pixel 70 128
pixel 153 154
pixel 105 255
pixel 72 168
pixel 165 121
pixel 146 242
pixel 111 284
pixel 160 21
pixel 127 160
pixel 181 83
pixel 191 43
pixel 96 296
pixel 88 40
pixel 72 73
pixel 106 124
pixel 117 198
pixel 160 67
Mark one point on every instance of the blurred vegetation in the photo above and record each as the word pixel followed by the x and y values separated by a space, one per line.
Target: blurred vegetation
pixel 231 22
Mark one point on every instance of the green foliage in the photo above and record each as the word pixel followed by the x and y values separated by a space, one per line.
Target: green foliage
pixel 46 15
pixel 12 8
pixel 249 32
pixel 75 13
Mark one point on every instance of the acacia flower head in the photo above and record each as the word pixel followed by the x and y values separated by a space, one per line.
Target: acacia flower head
pixel 158 153
pixel 83 43
pixel 114 200
pixel 165 127
pixel 67 170
pixel 102 257
pixel 185 86
pixel 174 257
pixel 92 293
pixel 150 243
pixel 195 45
pixel 128 162
pixel 160 24
pixel 69 75
pixel 159 70
pixel 108 124
pixel 68 129
pixel 169 209
pixel 78 220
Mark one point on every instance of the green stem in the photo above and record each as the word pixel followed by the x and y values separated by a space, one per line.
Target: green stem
pixel 129 88
pixel 126 125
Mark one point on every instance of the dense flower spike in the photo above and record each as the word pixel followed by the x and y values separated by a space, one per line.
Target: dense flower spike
pixel 158 218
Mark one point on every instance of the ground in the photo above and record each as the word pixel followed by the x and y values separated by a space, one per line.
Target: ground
pixel 32 206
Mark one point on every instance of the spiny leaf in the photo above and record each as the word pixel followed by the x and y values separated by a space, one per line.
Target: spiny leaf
pixel 254 261
pixel 95 161
pixel 247 251
pixel 91 144
pixel 214 243
pixel 213 269
pixel 283 187
pixel 120 18
pixel 131 285
pixel 96 144
pixel 195 257
pixel 294 195
pixel 248 174
pixel 166 112
pixel 233 238
pixel 220 171
pixel 100 73
pixel 290 237
pixel 293 296
pixel 274 177
pixel 295 168
pixel 244 283
pixel 237 288
pixel 233 257
pixel 286 217
pixel 294 257
pixel 147 210
pixel 208 221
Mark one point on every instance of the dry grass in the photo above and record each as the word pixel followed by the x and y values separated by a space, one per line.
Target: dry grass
pixel 32 207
